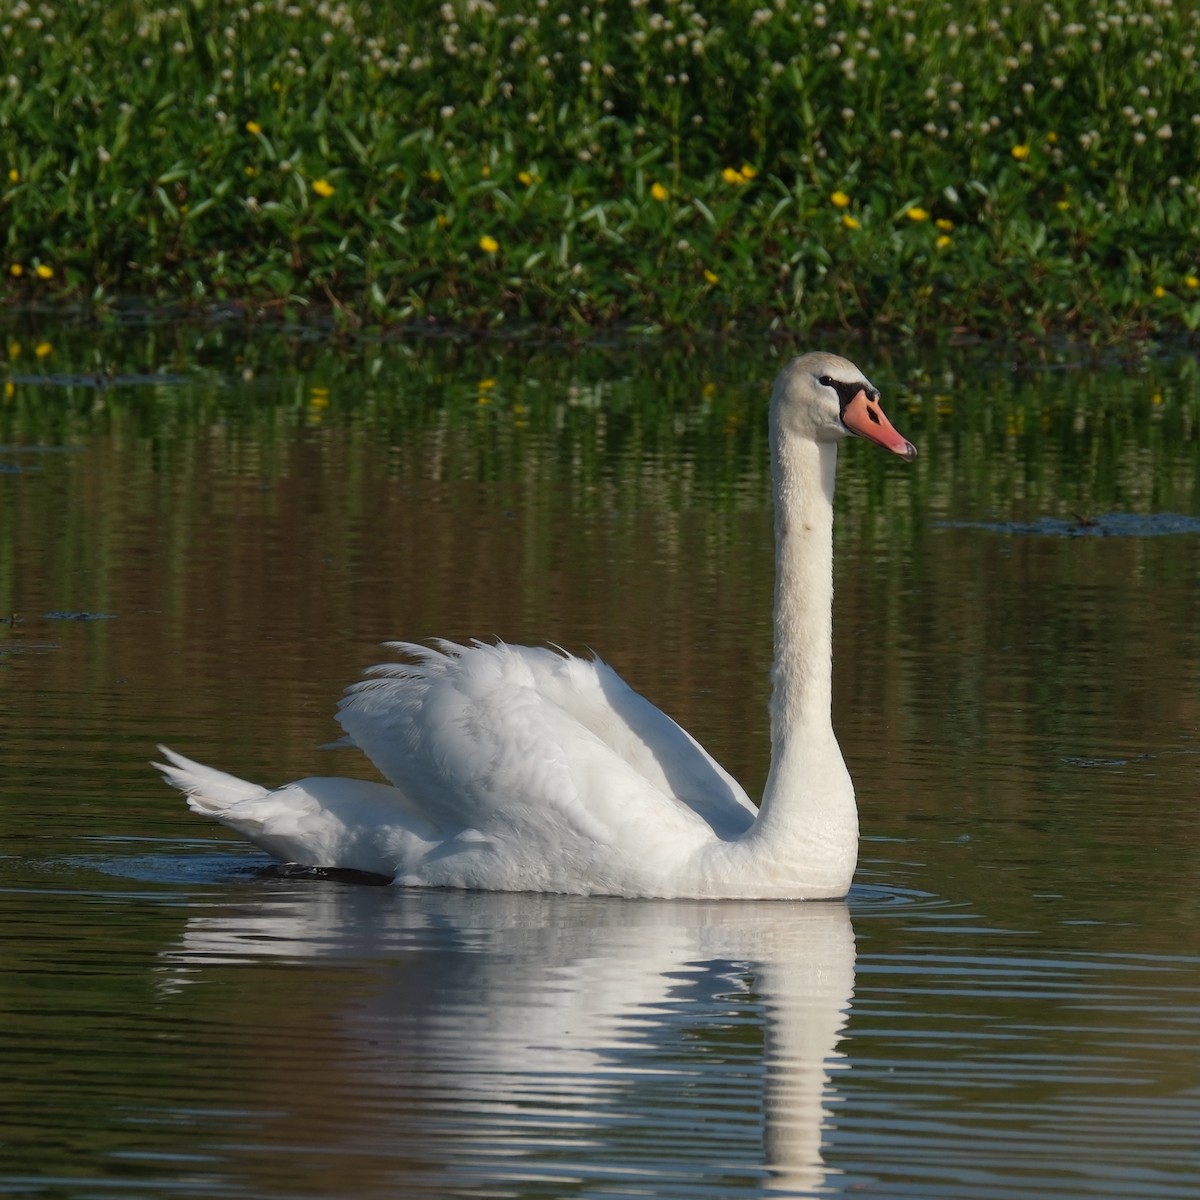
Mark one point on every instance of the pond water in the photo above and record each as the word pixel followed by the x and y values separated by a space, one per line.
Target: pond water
pixel 206 531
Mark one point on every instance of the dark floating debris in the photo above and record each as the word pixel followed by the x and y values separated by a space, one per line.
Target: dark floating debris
pixel 1107 525
pixel 79 616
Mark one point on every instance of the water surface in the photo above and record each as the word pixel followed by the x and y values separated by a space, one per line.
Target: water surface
pixel 205 534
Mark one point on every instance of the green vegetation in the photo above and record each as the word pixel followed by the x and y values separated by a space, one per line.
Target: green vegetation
pixel 1025 168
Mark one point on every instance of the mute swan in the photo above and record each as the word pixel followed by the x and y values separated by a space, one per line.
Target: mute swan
pixel 514 768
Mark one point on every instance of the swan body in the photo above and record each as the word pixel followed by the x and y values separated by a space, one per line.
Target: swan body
pixel 515 768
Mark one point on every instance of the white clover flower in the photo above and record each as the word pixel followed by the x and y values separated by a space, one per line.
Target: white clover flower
pixel 1163 133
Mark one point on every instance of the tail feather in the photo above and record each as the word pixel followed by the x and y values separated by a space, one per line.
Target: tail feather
pixel 208 790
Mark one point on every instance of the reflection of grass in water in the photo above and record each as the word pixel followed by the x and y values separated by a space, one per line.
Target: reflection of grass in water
pixel 620 426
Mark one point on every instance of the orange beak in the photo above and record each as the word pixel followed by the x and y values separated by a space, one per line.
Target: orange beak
pixel 864 418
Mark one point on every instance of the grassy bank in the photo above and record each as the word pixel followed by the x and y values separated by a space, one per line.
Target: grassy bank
pixel 1000 170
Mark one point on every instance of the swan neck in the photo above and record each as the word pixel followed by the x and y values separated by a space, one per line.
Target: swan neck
pixel 803 626
pixel 808 806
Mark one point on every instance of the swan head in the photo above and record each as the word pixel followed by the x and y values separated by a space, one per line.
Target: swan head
pixel 826 398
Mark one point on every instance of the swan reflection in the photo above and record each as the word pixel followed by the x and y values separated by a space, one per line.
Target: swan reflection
pixel 461 1032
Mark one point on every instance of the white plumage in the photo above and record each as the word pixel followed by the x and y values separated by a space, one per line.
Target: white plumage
pixel 513 768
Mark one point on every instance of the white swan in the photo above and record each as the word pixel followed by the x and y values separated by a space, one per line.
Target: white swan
pixel 526 769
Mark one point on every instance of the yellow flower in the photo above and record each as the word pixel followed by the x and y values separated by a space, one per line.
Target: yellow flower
pixel 1191 281
pixel 1052 138
pixel 16 270
pixel 14 176
pixel 944 225
pixel 850 222
pixel 318 397
pixel 659 192
pixel 442 220
pixel 732 175
pixel 253 127
pixel 44 272
pixel 840 200
pixel 486 172
pixel 1020 153
pixel 943 241
pixel 711 276
pixel 525 178
pixel 14 349
pixel 433 175
pixel 1159 292
pixel 916 214
pixel 748 172
pixel 251 170
pixel 1063 205
pixel 488 244
pixel 43 349
pixel 10 389
pixel 323 188
pixel 486 385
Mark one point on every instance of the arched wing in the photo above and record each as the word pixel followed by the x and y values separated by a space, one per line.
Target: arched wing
pixel 533 743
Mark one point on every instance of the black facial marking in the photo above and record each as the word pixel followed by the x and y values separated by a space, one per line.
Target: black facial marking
pixel 847 391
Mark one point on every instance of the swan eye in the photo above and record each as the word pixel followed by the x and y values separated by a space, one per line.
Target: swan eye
pixel 826 380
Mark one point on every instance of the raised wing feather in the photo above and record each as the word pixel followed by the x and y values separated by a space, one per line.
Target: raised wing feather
pixel 531 744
